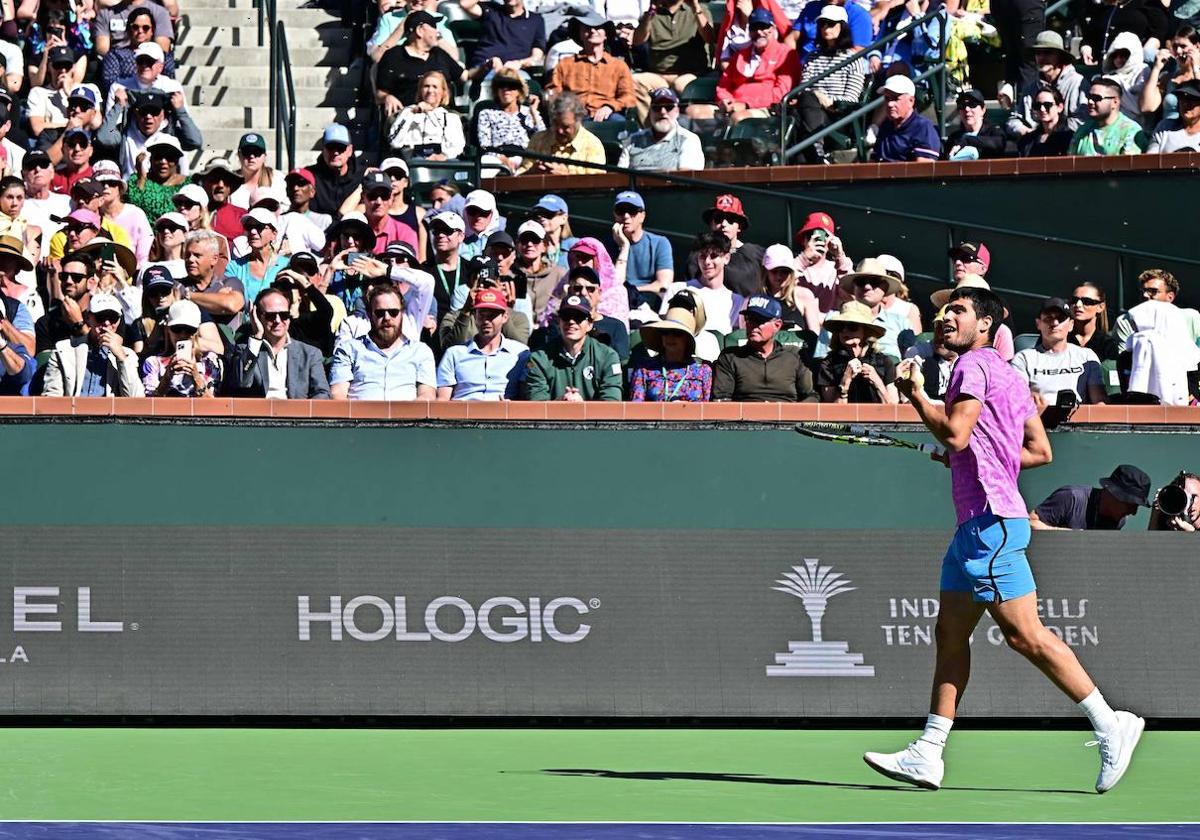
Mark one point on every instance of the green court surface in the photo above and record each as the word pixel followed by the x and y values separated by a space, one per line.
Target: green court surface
pixel 694 775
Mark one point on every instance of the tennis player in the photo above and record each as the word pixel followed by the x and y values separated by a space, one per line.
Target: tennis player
pixel 991 429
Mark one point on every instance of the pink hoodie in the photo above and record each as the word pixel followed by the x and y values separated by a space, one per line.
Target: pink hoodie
pixel 614 300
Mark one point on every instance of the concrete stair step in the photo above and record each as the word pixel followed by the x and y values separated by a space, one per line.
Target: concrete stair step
pixel 221 55
pixel 333 78
pixel 324 36
pixel 248 18
pixel 246 117
pixel 203 97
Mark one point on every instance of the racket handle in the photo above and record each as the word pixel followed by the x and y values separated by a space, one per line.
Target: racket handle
pixel 932 449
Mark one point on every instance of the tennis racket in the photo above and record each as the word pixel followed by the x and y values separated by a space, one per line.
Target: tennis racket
pixel 862 436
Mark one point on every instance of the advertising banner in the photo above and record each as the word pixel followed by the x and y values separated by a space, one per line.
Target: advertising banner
pixel 382 621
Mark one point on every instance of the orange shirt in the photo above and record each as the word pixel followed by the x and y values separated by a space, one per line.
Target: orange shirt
pixel 604 82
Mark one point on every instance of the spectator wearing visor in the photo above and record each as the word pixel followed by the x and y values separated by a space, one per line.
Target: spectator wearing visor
pixel 663 145
pixel 301 189
pixel 489 365
pixel 762 369
pixel 272 364
pixel 573 366
pixel 95 362
pixel 135 121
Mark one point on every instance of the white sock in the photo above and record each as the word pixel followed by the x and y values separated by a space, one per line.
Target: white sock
pixel 1103 718
pixel 933 739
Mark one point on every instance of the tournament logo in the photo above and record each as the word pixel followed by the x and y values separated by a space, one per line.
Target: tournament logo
pixel 814 585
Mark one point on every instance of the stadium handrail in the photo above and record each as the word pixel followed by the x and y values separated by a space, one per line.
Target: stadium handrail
pixel 938 70
pixel 281 98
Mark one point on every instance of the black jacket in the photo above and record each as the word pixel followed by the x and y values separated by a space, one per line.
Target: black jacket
pixel 333 188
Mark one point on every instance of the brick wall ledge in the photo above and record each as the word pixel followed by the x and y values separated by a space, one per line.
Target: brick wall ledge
pixel 845 172
pixel 535 411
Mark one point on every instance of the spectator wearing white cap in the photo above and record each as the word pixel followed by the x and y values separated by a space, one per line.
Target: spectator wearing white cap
pixel 446 229
pixel 188 370
pixel 167 249
pixel 832 87
pixel 191 202
pixel 95 362
pixel 296 231
pixel 905 135
pixel 141 27
pixel 113 208
pixel 159 176
pixel 779 282
pixel 898 301
pixel 337 172
pixel 482 220
pixel 541 275
pixel 257 268
pixel 149 61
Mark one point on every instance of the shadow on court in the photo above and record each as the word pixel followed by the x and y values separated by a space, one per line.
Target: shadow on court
pixel 750 778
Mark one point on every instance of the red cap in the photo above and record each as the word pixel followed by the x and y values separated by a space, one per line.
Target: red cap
pixel 490 299
pixel 816 221
pixel 305 174
pixel 729 204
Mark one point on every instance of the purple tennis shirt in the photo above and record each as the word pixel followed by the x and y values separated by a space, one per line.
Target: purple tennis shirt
pixel 983 476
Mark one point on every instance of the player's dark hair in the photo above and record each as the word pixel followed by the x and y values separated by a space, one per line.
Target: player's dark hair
pixel 987 304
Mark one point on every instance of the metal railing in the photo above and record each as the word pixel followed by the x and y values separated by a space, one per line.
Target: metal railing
pixel 281 87
pixel 937 71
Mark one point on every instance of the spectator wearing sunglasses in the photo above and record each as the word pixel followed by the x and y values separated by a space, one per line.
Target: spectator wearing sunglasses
pixel 253 169
pixel 149 61
pixel 159 176
pixel 573 367
pixel 271 363
pixel 95 361
pixel 384 364
pixel 1089 317
pixel 46 104
pixel 1107 131
pixel 337 173
pixel 489 365
pixel 41 204
pixel 119 25
pixel 121 61
pixel 1051 134
pixel 188 370
pixel 64 317
pixel 73 154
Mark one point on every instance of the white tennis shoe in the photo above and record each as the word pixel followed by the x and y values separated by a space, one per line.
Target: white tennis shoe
pixel 910 765
pixel 1116 749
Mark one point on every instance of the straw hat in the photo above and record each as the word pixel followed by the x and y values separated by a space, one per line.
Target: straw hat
pixel 11 246
pixel 124 256
pixel 677 320
pixel 970 281
pixel 856 314
pixel 871 269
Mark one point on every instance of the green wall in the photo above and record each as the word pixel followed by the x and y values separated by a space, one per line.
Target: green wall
pixel 1150 212
pixel 151 476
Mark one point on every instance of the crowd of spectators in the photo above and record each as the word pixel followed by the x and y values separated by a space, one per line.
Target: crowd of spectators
pixel 663 84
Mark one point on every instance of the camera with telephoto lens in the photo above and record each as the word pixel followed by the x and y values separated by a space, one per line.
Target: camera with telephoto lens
pixel 1172 503
pixel 1172 500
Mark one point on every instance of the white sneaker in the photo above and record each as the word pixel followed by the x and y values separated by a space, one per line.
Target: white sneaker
pixel 1116 749
pixel 909 765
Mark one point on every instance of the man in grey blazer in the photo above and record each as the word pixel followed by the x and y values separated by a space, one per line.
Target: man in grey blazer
pixel 271 363
pixel 96 363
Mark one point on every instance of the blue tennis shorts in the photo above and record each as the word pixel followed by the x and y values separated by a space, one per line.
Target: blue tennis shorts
pixel 987 558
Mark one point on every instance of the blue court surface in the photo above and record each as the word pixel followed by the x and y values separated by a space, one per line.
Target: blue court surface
pixel 590 831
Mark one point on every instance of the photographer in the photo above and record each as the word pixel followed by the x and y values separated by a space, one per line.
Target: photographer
pixel 189 370
pixel 1078 507
pixel 359 272
pixel 1177 505
pixel 459 326
pixel 153 114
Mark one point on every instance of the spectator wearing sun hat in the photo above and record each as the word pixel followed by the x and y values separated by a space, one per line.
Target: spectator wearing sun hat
pixel 905 135
pixel 573 366
pixel 821 261
pixel 854 371
pixel 744 270
pixel 1003 341
pixel 674 374
pixel 488 366
pixel 95 363
pixel 762 369
pixel 870 284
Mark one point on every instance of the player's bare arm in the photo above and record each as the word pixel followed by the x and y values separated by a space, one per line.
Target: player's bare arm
pixel 1035 451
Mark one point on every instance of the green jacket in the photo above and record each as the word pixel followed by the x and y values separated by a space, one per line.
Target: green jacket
pixel 596 372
